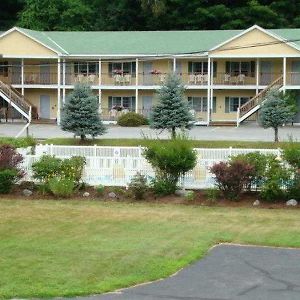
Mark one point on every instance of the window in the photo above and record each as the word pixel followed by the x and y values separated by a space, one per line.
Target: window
pixel 123 102
pixel 121 67
pixel 198 103
pixel 86 68
pixel 201 67
pixel 235 68
pixel 4 68
pixel 233 103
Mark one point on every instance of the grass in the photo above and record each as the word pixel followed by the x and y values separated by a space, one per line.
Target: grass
pixel 142 142
pixel 67 248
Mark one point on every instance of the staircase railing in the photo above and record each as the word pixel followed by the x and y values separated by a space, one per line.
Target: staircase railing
pixel 256 100
pixel 17 98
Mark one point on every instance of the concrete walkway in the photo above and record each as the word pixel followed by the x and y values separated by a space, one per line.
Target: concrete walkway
pixel 248 132
pixel 227 272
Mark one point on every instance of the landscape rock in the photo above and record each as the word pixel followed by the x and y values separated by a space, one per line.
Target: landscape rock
pixel 291 202
pixel 256 203
pixel 181 193
pixel 86 194
pixel 112 195
pixel 27 193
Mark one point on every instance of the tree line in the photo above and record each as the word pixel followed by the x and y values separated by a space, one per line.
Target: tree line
pixel 148 14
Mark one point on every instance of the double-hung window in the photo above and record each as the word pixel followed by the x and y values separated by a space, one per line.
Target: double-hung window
pixel 198 104
pixel 121 68
pixel 86 68
pixel 233 103
pixel 200 67
pixel 235 68
pixel 121 102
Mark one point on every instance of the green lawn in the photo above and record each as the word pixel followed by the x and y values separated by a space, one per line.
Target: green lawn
pixel 67 248
pixel 142 142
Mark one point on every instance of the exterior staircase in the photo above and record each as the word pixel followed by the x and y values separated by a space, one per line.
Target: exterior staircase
pixel 18 102
pixel 253 105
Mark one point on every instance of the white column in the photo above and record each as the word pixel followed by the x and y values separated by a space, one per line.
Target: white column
pixel 284 73
pixel 136 85
pixel 174 65
pixel 208 92
pixel 64 81
pixel 99 82
pixel 58 91
pixel 22 75
pixel 257 74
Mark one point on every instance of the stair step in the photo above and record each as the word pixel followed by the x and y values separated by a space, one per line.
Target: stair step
pixel 222 123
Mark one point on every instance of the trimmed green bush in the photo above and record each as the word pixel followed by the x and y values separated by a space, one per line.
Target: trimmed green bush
pixel 132 119
pixel 170 160
pixel 18 142
pixel 61 187
pixel 8 177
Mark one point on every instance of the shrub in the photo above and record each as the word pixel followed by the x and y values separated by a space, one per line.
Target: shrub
pixel 46 168
pixel 190 196
pixel 138 186
pixel 8 177
pixel 259 162
pixel 49 166
pixel 162 187
pixel 231 177
pixel 212 194
pixel 170 161
pixel 61 187
pixel 132 119
pixel 100 189
pixel 10 172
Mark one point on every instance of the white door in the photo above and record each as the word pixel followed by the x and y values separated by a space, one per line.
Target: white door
pixel 147 76
pixel 266 75
pixel 147 105
pixel 45 107
pixel 295 76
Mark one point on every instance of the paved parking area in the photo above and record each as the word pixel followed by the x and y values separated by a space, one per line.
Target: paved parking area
pixel 250 132
pixel 227 272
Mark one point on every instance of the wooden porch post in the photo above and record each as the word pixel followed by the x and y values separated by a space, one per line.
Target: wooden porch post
pixel 22 75
pixel 208 91
pixel 58 91
pixel 284 73
pixel 257 74
pixel 136 85
pixel 64 81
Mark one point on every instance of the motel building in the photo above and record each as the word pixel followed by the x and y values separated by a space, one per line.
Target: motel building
pixel 226 72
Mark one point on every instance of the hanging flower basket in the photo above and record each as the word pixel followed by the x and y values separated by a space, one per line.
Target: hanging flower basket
pixel 155 72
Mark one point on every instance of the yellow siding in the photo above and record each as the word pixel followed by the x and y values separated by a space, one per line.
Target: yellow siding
pixel 253 37
pixel 16 43
pixel 33 95
pixel 220 114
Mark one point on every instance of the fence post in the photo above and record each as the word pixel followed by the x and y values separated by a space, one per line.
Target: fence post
pixel 230 151
pixel 51 149
pixel 95 150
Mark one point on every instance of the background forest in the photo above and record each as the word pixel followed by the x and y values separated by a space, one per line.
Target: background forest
pixel 148 14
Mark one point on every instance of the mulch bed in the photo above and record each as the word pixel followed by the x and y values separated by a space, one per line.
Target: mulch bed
pixel 123 195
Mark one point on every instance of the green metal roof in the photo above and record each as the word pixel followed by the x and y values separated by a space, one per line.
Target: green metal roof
pixel 141 42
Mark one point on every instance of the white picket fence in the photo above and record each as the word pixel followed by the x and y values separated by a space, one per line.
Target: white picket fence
pixel 115 166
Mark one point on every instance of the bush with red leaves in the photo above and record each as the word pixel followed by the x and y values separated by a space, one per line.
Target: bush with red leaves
pixel 232 177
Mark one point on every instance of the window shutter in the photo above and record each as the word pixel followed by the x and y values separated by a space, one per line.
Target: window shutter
pixel 252 68
pixel 110 102
pixel 214 105
pixel 226 104
pixel 110 69
pixel 227 68
pixel 215 68
pixel 190 69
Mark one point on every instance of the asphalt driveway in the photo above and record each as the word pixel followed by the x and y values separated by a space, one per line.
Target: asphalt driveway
pixel 227 272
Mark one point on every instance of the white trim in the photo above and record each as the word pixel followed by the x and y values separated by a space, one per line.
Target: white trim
pixel 284 72
pixel 58 91
pixel 257 74
pixel 49 38
pixel 29 36
pixel 22 75
pixel 208 90
pixel 253 28
pixel 255 56
pixel 29 56
pixel 64 80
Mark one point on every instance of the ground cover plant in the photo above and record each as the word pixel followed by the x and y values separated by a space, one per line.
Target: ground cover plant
pixel 68 248
pixel 132 119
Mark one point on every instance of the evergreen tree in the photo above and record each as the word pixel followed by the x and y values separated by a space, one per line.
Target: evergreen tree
pixel 276 111
pixel 81 113
pixel 172 111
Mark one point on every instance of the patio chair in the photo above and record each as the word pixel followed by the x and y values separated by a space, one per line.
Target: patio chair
pixel 127 78
pixel 226 79
pixel 91 78
pixel 205 79
pixel 118 79
pixel 162 78
pixel 192 79
pixel 199 78
pixel 240 79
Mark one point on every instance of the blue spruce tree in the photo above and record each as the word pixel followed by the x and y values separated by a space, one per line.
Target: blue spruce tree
pixel 172 111
pixel 81 113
